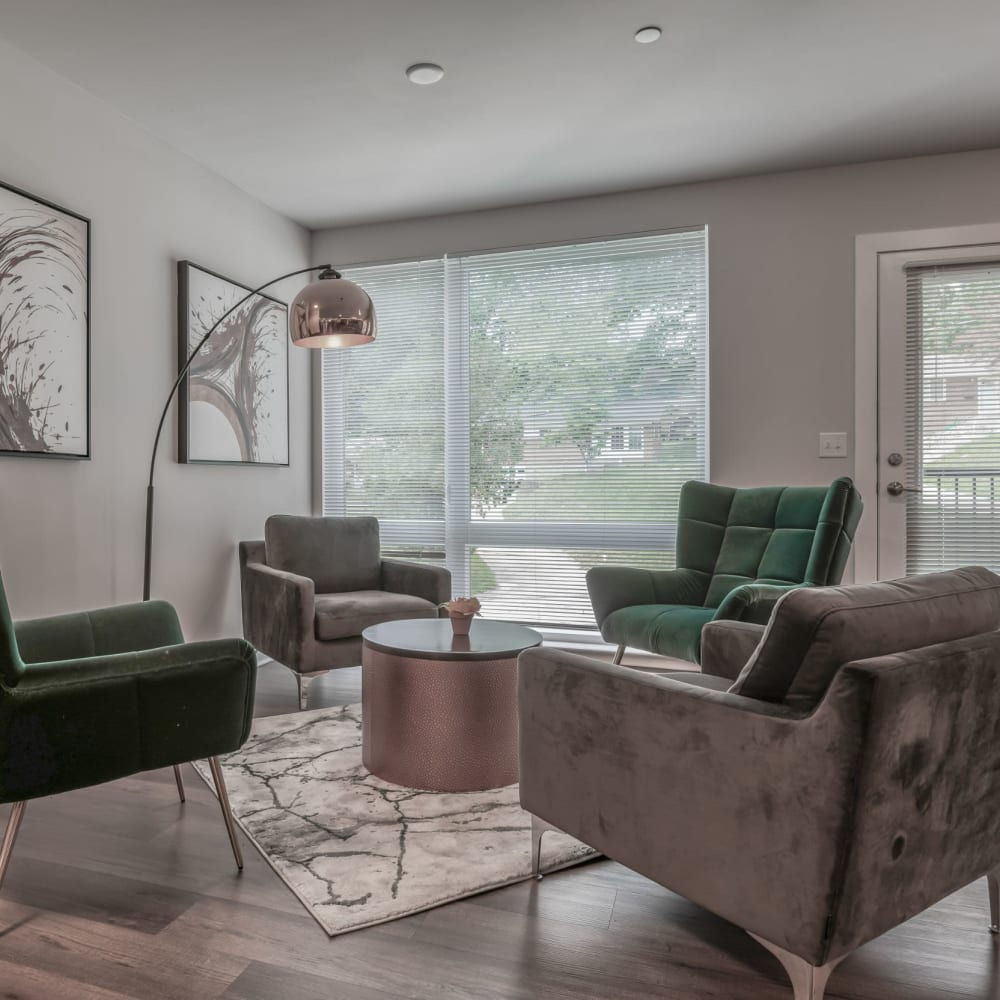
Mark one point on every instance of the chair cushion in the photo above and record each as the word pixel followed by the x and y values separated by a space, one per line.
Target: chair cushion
pixel 815 631
pixel 666 629
pixel 337 553
pixel 339 616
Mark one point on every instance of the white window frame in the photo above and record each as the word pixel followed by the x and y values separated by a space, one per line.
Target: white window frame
pixel 460 530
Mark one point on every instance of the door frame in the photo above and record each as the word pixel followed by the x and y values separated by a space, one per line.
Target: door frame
pixel 868 247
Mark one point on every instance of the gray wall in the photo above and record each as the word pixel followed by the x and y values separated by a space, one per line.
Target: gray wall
pixel 781 280
pixel 782 330
pixel 71 532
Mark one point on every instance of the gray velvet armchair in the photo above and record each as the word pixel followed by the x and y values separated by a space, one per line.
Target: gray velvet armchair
pixel 315 583
pixel 839 781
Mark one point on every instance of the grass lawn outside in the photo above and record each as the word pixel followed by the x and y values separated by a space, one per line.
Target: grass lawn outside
pixel 613 493
pixel 483 578
pixel 638 560
pixel 645 491
pixel 980 453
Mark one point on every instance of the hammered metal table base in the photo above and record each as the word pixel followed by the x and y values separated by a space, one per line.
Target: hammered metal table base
pixel 439 725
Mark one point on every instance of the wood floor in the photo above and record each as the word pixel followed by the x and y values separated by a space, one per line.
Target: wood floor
pixel 120 891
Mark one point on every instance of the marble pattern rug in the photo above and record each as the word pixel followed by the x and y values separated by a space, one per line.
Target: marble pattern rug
pixel 359 851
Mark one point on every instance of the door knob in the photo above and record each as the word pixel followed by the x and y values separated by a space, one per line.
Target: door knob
pixel 896 488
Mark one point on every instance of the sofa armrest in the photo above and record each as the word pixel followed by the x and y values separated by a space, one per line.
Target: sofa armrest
pixel 727 801
pixel 126 628
pixel 432 583
pixel 726 646
pixel 928 800
pixel 280 615
pixel 614 587
pixel 753 602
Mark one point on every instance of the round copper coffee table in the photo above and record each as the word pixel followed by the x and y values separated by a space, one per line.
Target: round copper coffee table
pixel 439 711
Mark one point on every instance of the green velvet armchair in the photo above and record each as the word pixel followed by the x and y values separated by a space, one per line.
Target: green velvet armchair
pixel 738 551
pixel 96 696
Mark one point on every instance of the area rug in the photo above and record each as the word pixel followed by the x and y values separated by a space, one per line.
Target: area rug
pixel 359 851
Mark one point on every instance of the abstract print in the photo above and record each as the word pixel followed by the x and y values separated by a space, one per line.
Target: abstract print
pixel 44 329
pixel 234 405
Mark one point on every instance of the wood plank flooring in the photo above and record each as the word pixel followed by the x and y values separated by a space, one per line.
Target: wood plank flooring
pixel 121 892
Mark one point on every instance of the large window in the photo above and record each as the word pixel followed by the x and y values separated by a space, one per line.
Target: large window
pixel 525 415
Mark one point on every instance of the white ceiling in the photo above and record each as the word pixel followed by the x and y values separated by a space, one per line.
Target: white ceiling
pixel 303 103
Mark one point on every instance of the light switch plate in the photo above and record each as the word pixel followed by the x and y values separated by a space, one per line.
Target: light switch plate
pixel 833 444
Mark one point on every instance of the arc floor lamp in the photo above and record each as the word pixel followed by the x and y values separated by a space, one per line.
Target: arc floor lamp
pixel 329 312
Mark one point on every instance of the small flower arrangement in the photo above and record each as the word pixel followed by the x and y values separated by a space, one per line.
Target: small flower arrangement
pixel 461 611
pixel 462 606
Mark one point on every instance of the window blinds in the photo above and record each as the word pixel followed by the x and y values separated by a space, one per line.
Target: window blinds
pixel 383 412
pixel 953 416
pixel 587 391
pixel 528 414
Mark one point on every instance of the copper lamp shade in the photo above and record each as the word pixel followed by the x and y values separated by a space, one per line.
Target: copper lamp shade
pixel 331 312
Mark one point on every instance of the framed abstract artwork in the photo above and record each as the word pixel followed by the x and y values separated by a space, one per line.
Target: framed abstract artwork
pixel 44 328
pixel 233 404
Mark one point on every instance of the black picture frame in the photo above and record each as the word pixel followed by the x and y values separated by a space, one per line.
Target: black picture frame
pixel 61 244
pixel 217 390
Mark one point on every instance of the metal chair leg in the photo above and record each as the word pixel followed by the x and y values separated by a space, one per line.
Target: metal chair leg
pixel 303 685
pixel 10 835
pixel 993 881
pixel 619 653
pixel 179 778
pixel 227 811
pixel 538 828
pixel 808 981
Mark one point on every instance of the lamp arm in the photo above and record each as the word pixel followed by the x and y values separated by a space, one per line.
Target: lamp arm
pixel 147 565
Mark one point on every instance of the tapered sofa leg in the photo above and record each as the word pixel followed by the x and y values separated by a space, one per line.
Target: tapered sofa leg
pixel 227 811
pixel 619 653
pixel 10 835
pixel 993 881
pixel 808 981
pixel 538 828
pixel 303 686
pixel 179 778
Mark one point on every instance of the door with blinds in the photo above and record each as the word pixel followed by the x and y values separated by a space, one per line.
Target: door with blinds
pixel 526 414
pixel 939 410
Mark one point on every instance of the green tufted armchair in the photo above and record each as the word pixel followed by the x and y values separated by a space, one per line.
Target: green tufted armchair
pixel 91 697
pixel 738 551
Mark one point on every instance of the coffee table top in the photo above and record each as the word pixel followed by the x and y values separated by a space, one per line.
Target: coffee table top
pixel 432 639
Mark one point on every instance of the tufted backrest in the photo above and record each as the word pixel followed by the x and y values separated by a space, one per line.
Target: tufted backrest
pixel 337 553
pixel 768 534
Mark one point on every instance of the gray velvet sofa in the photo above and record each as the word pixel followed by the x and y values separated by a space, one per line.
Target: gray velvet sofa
pixel 818 783
pixel 315 583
